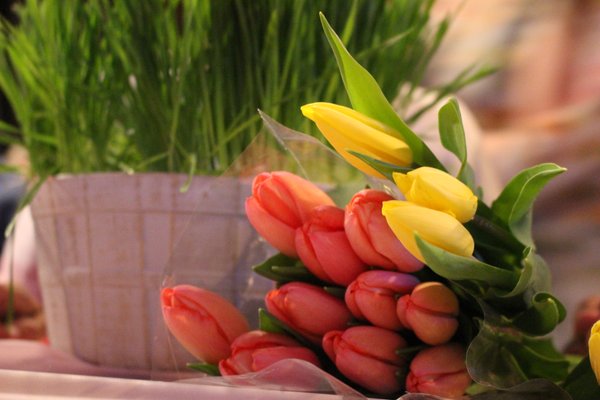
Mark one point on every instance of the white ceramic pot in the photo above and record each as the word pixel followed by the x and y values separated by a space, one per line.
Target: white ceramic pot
pixel 107 242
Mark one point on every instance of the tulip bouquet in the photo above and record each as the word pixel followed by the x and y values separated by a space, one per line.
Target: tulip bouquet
pixel 414 285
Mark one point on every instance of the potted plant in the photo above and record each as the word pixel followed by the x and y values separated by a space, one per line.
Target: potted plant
pixel 124 105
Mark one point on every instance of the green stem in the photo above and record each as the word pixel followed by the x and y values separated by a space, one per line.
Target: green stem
pixel 499 234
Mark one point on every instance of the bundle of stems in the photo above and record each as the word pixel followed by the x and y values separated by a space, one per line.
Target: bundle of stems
pixel 174 85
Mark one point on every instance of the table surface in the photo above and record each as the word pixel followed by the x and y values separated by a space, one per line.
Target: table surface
pixel 33 370
pixel 17 385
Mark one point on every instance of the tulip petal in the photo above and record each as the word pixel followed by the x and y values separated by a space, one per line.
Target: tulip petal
pixel 347 129
pixel 436 298
pixel 256 350
pixel 330 343
pixel 371 237
pixel 435 227
pixel 372 296
pixel 263 358
pixel 439 371
pixel 305 194
pixel 279 203
pixel 362 245
pixel 432 329
pixel 396 282
pixel 438 190
pixel 335 255
pixel 203 322
pixel 379 309
pixel 387 243
pixel 275 232
pixel 308 309
pixel 594 349
pixel 307 254
pixel 374 375
pixel 376 342
pixel 401 308
pixel 350 299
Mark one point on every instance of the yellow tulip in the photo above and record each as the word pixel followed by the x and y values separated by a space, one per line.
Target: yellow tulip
pixel 436 227
pixel 436 189
pixel 594 349
pixel 347 129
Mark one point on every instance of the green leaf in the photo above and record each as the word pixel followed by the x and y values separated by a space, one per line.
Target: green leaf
pixel 534 277
pixel 282 269
pixel 209 369
pixel 467 175
pixel 501 358
pixel 452 136
pixel 458 268
pixel 8 169
pixel 336 291
pixel 366 97
pixel 6 127
pixel 452 132
pixel 581 383
pixel 26 199
pixel 385 168
pixel 268 323
pixel 493 236
pixel 539 358
pixel 490 363
pixel 544 314
pixel 513 205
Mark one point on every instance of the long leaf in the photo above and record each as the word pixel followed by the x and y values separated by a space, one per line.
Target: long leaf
pixel 384 168
pixel 581 383
pixel 209 369
pixel 544 314
pixel 459 268
pixel 452 132
pixel 366 97
pixel 513 205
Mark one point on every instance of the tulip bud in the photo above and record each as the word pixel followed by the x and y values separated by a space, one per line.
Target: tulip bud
pixel 371 237
pixel 280 203
pixel 347 129
pixel 324 248
pixel 256 350
pixel 430 311
pixel 440 371
pixel 372 296
pixel 438 190
pixel 308 309
pixel 367 355
pixel 203 322
pixel 594 349
pixel 435 227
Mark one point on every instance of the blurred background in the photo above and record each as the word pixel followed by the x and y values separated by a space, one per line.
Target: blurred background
pixel 542 105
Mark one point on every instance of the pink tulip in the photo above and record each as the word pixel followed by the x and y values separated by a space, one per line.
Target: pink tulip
pixel 367 355
pixel 430 311
pixel 371 237
pixel 323 247
pixel 256 350
pixel 308 309
pixel 280 203
pixel 372 296
pixel 202 321
pixel 440 371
